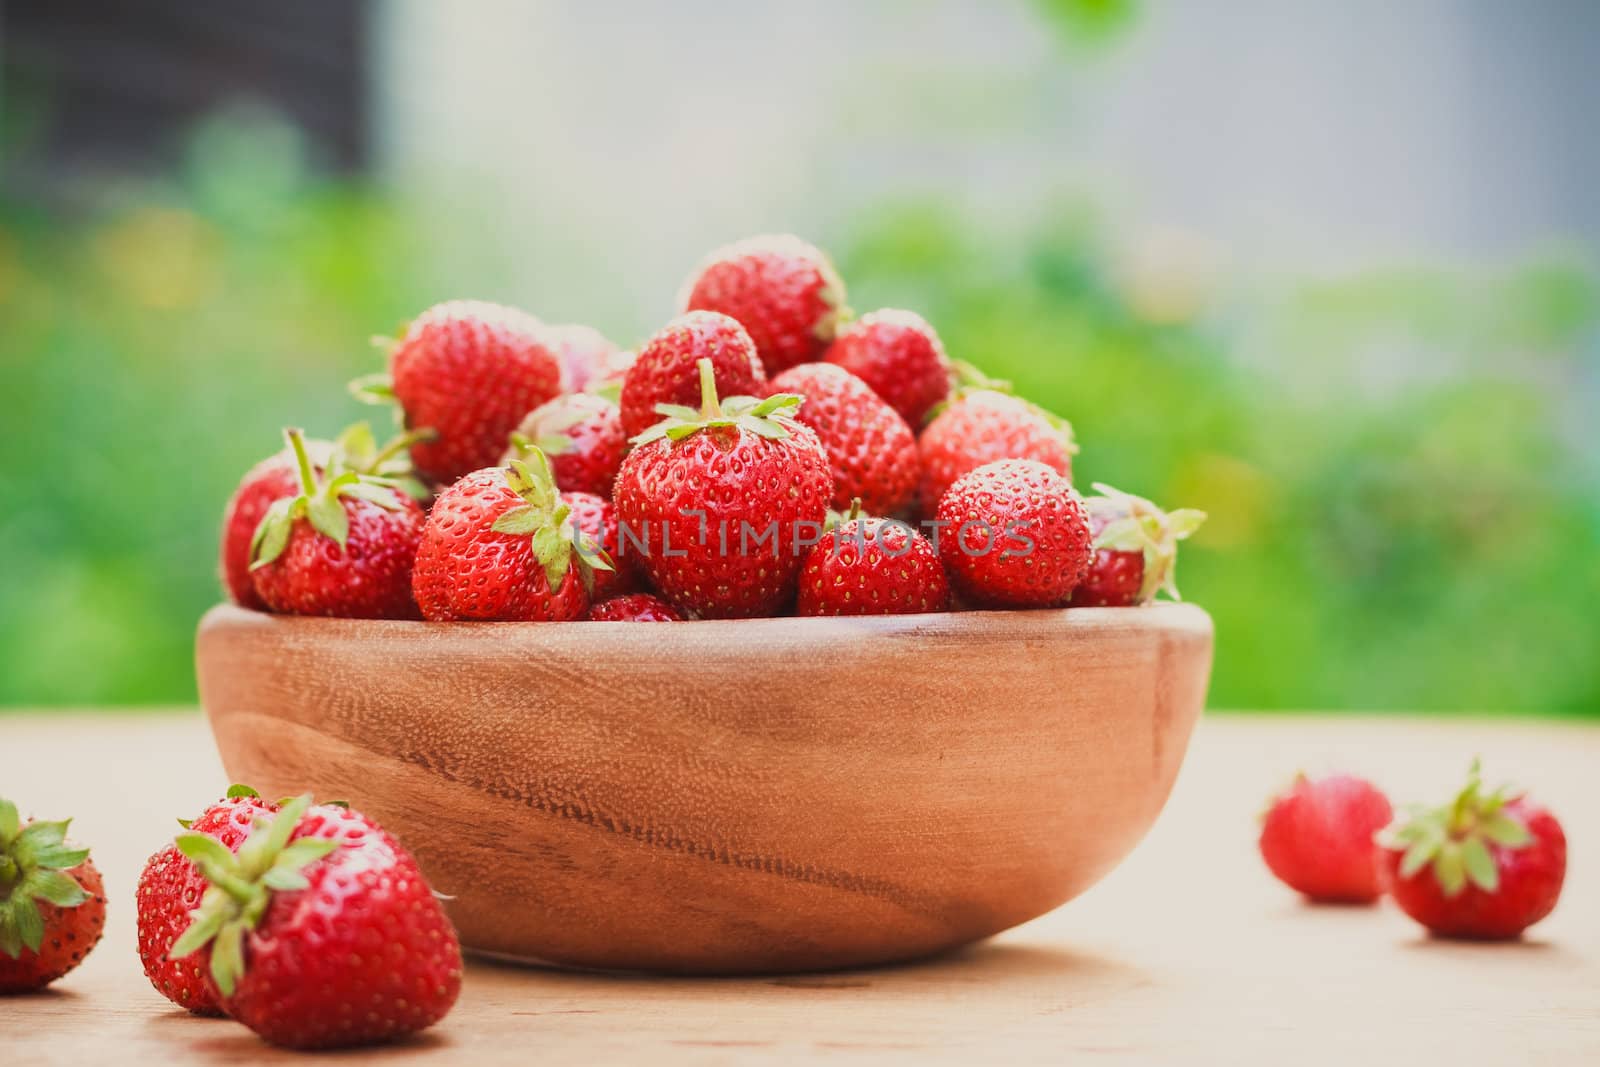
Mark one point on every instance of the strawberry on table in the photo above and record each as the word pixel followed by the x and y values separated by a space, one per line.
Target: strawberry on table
pixel 985 424
pixel 872 566
pixel 52 902
pixel 320 932
pixel 171 886
pixel 502 545
pixel 342 546
pixel 872 451
pixel 634 607
pixel 724 501
pixel 665 371
pixel 1135 549
pixel 583 436
pixel 468 371
pixel 1317 837
pixel 784 291
pixel 1014 534
pixel 900 357
pixel 1485 866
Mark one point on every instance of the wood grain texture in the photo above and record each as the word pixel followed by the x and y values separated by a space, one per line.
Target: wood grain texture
pixel 727 797
pixel 1187 953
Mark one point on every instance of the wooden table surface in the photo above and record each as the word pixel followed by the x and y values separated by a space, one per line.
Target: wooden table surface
pixel 1187 953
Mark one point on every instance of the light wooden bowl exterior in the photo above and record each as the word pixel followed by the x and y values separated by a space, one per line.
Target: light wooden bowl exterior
pixel 724 797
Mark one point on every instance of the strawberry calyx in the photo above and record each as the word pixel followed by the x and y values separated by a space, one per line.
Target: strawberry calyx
pixel 1454 838
pixel 318 502
pixel 242 885
pixel 543 516
pixel 772 418
pixel 356 450
pixel 34 861
pixel 1134 524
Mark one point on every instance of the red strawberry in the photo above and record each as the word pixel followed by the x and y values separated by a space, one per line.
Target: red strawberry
pixel 1483 867
pixel 342 548
pixel 1317 837
pixel 501 544
pixel 782 289
pixel 723 501
pixel 596 519
pixel 469 371
pixel 321 932
pixel 1014 534
pixel 870 566
pixel 585 353
pixel 982 425
pixel 871 449
pixel 52 902
pixel 274 478
pixel 171 887
pixel 900 357
pixel 583 436
pixel 665 371
pixel 634 607
pixel 1135 549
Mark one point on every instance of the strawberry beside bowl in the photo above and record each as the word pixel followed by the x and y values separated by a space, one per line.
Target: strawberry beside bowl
pixel 727 797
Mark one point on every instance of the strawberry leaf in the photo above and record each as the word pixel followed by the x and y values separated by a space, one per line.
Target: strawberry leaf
pixel 1480 866
pixel 53 886
pixel 10 822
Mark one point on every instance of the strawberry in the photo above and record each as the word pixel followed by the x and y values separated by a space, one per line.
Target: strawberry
pixel 1015 535
pixel 320 932
pixel 721 502
pixel 170 888
pixel 784 291
pixel 900 357
pixel 1135 549
pixel 583 436
pixel 982 425
pixel 468 371
pixel 634 607
pixel 501 544
pixel 870 566
pixel 871 449
pixel 1316 837
pixel 340 547
pixel 595 518
pixel 665 371
pixel 52 902
pixel 585 353
pixel 1485 866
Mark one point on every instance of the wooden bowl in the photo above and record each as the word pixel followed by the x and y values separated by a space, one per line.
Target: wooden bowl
pixel 726 797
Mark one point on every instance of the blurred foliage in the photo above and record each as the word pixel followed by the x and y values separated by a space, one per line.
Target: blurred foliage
pixel 1400 467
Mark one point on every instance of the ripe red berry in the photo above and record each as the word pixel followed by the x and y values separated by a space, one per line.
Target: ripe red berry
pixel 1136 549
pixel 342 546
pixel 501 544
pixel 586 355
pixel 52 902
pixel 1485 866
pixel 872 566
pixel 665 371
pixel 784 291
pixel 274 478
pixel 468 371
pixel 171 887
pixel 583 436
pixel 596 519
pixel 872 451
pixel 634 607
pixel 1014 534
pixel 722 503
pixel 900 357
pixel 982 425
pixel 321 932
pixel 1317 835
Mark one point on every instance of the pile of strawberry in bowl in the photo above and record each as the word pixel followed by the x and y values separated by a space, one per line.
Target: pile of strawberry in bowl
pixel 765 453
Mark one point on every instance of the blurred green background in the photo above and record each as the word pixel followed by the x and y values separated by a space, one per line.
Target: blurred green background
pixel 1401 458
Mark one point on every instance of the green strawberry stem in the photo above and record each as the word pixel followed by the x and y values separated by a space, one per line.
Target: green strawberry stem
pixel 400 444
pixel 308 474
pixel 710 408
pixel 855 510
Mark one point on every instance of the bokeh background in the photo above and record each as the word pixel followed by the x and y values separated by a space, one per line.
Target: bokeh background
pixel 1326 270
